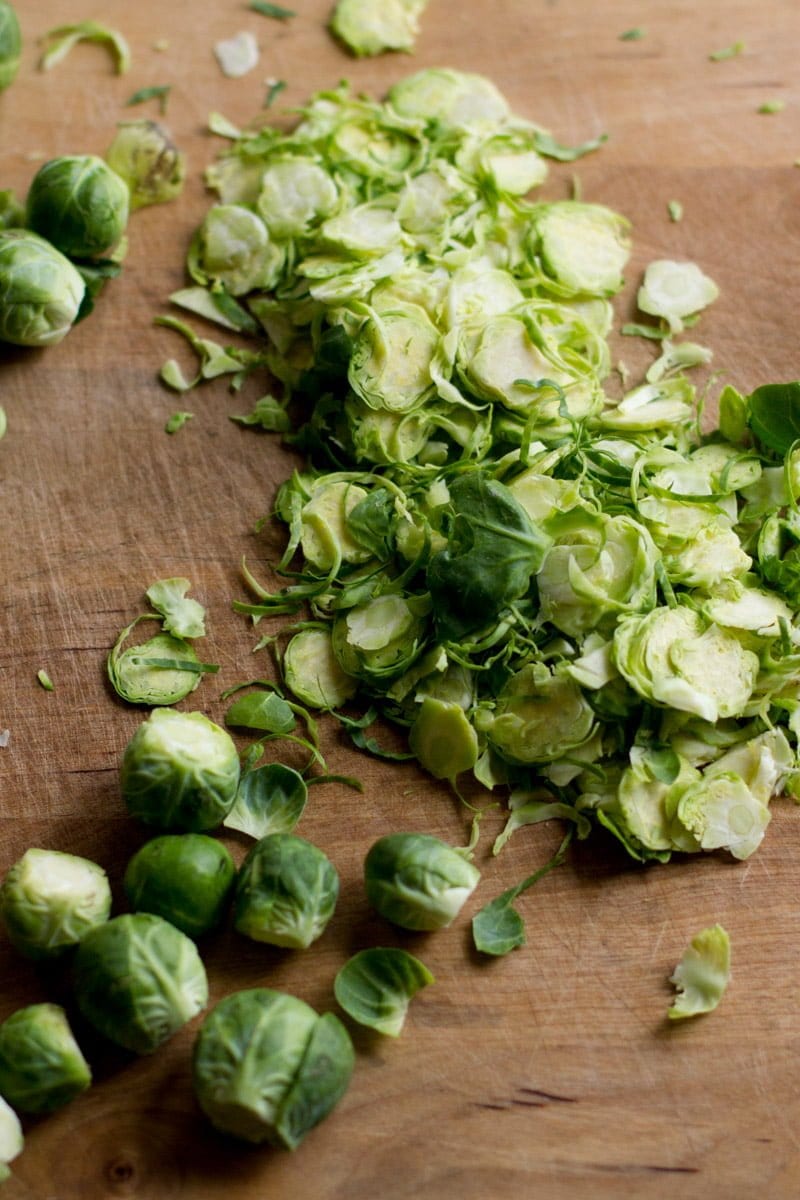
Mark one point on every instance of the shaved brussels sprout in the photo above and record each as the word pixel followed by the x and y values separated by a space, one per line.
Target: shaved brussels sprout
pixel 180 771
pixel 137 980
pixel 41 292
pixel 443 739
pixel 313 672
pixel 286 892
pixel 702 974
pixel 184 878
pixel 584 247
pixel 10 49
pixel 417 881
pixel 41 1064
pixel 233 247
pixel 145 157
pixel 295 193
pixel 376 986
pixel 540 716
pixel 674 291
pixel 49 900
pixel 79 204
pixel 12 1141
pixel 267 1068
pixel 453 98
pixel 369 27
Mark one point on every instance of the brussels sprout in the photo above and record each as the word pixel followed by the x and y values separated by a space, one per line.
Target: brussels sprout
pixel 184 878
pixel 294 193
pixel 267 1068
pixel 40 290
pixel 180 771
pixel 138 979
pixel 286 892
pixel 233 247
pixel 10 44
pixel 11 1139
pixel 49 900
pixel 312 672
pixel 143 154
pixel 79 204
pixel 452 98
pixel 674 291
pixel 375 987
pixel 41 1065
pixel 368 27
pixel 417 881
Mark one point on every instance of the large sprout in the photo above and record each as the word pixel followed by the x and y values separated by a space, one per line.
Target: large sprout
pixel 49 900
pixel 40 290
pixel 79 204
pixel 185 878
pixel 417 881
pixel 286 892
pixel 138 979
pixel 180 771
pixel 267 1068
pixel 41 1064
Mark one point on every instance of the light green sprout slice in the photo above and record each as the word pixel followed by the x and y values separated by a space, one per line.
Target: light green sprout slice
pixel 368 27
pixel 12 1141
pixel 64 37
pixel 674 291
pixel 325 539
pixel 390 367
pixel 237 55
pixel 312 671
pixel 183 617
pixel 233 247
pixel 722 812
pixel 455 98
pixel 702 974
pixel 295 192
pixel 584 247
pixel 539 717
pixel 376 986
pixel 443 739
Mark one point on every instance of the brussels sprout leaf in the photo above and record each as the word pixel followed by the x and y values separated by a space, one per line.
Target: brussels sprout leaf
pixel 183 616
pixel 547 145
pixel 774 415
pixel 270 799
pixel 498 928
pixel 266 711
pixel 702 974
pixel 271 10
pixel 64 37
pixel 159 92
pixel 375 987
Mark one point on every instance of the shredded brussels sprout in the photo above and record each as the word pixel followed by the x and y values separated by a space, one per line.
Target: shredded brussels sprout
pixel 702 974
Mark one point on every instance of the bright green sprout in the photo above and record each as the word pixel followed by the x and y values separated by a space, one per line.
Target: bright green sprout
pixel 45 680
pixel 185 878
pixel 417 881
pixel 41 292
pixel 79 204
pixel 286 891
pixel 41 1064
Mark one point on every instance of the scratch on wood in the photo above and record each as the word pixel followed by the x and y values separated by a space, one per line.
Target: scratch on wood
pixel 528 1091
pixel 494 1107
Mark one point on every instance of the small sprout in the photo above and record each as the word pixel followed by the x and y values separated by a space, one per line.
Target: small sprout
pixel 177 421
pixel 180 771
pixel 726 52
pixel 10 45
pixel 64 37
pixel 12 1141
pixel 286 892
pixel 369 27
pixel 41 292
pixel 417 881
pixel 159 92
pixel 271 10
pixel 375 987
pixel 49 900
pixel 138 980
pixel 45 680
pixel 267 1068
pixel 675 210
pixel 143 154
pixel 632 35
pixel 771 106
pixel 702 974
pixel 675 291
pixel 270 799
pixel 41 1064
pixel 185 878
pixel 237 55
pixel 79 204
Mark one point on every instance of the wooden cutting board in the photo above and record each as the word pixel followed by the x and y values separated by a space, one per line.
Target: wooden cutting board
pixel 550 1073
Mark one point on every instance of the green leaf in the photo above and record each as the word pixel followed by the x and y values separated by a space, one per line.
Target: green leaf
pixel 64 37
pixel 727 52
pixel 270 799
pixel 177 421
pixel 267 413
pixel 702 974
pixel 498 928
pixel 375 987
pixel 159 92
pixel 274 89
pixel 547 145
pixel 271 10
pixel 45 680
pixel 266 711
pixel 774 415
pixel 182 616
pixel 632 35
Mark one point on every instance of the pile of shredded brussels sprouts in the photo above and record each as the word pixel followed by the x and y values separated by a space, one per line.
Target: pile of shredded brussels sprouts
pixel 571 594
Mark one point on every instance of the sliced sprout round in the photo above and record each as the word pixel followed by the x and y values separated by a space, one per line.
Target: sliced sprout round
pixel 325 539
pixel 368 27
pixel 380 638
pixel 141 673
pixel 584 247
pixel 49 900
pixel 295 193
pixel 376 986
pixel 312 672
pixel 675 290
pixel 391 363
pixel 233 247
pixel 454 98
pixel 539 717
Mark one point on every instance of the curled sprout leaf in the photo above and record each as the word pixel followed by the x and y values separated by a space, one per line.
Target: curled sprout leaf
pixel 375 987
pixel 182 616
pixel 270 799
pixel 702 974
pixel 498 928
pixel 64 37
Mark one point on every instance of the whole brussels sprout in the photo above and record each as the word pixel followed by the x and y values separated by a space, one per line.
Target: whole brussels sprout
pixel 40 291
pixel 79 204
pixel 49 900
pixel 10 44
pixel 138 979
pixel 184 878
pixel 286 892
pixel 143 154
pixel 41 1064
pixel 180 771
pixel 267 1068
pixel 417 881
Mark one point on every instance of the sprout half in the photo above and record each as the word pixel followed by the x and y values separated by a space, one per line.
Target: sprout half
pixel 49 900
pixel 41 1064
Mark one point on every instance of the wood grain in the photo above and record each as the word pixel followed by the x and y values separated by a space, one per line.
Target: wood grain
pixel 551 1073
